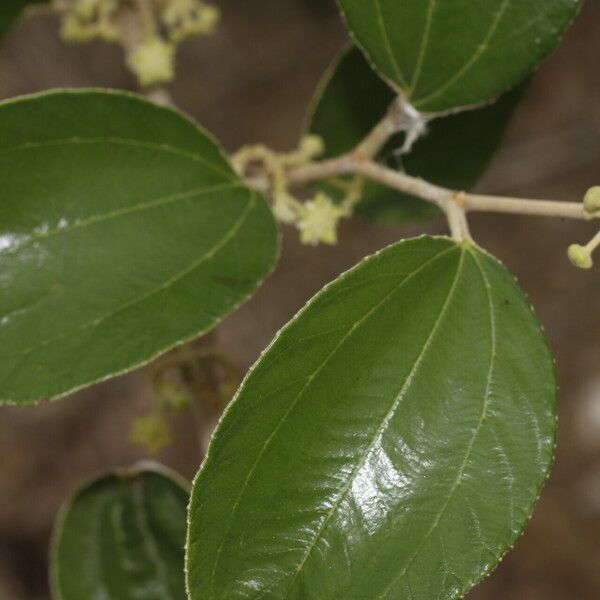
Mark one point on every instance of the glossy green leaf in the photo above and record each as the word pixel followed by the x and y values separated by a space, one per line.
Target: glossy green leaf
pixel 454 153
pixel 122 538
pixel 10 10
pixel 390 443
pixel 123 232
pixel 443 54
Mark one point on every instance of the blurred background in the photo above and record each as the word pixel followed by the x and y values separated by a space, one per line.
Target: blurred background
pixel 250 83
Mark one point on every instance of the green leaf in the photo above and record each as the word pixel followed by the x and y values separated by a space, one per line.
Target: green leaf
pixel 10 10
pixel 123 232
pixel 390 443
pixel 443 54
pixel 454 153
pixel 122 538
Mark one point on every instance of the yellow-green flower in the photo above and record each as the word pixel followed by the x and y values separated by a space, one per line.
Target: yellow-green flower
pixel 153 62
pixel 151 432
pixel 319 219
pixel 187 18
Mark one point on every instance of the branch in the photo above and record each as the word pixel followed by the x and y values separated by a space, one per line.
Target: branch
pixel 353 164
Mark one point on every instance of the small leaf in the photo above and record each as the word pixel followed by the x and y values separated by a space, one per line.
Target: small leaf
pixel 445 54
pixel 121 537
pixel 123 232
pixel 454 153
pixel 390 443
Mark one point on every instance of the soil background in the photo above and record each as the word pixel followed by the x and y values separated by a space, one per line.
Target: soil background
pixel 251 83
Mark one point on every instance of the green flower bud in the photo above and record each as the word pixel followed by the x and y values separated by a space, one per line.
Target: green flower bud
pixel 591 201
pixel 580 256
pixel 312 145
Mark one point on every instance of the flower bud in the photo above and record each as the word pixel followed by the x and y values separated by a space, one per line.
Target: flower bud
pixel 312 145
pixel 591 202
pixel 283 208
pixel 580 256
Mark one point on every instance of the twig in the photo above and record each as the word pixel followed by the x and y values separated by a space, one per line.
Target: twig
pixel 350 164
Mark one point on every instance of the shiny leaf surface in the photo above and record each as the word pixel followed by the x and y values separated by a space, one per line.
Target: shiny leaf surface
pixel 390 443
pixel 454 153
pixel 443 54
pixel 123 232
pixel 122 538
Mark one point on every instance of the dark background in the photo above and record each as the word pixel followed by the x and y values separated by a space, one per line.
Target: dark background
pixel 252 83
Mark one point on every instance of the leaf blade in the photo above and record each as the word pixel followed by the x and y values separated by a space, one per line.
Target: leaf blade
pixel 453 153
pixel 121 536
pixel 142 199
pixel 341 444
pixel 446 55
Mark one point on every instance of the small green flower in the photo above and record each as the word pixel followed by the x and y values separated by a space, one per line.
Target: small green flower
pixel 86 20
pixel 153 62
pixel 151 432
pixel 319 219
pixel 188 18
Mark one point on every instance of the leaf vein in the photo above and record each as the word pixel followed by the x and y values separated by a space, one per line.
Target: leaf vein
pixel 472 61
pixel 459 477
pixel 101 218
pixel 123 142
pixel 136 301
pixel 268 441
pixel 384 424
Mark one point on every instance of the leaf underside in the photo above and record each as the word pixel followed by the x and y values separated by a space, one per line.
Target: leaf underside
pixel 443 54
pixel 123 232
pixel 390 443
pixel 122 538
pixel 453 153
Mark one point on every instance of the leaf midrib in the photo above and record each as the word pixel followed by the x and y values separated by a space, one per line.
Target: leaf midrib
pixel 388 417
pixel 485 405
pixel 115 214
pixel 479 52
pixel 163 147
pixel 268 441
pixel 165 285
pixel 150 545
pixel 387 44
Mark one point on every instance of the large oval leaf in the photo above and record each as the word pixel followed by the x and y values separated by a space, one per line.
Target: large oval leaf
pixel 122 538
pixel 390 443
pixel 443 54
pixel 454 152
pixel 123 232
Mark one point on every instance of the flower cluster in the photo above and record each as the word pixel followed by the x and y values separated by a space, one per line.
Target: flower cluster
pixel 86 20
pixel 150 32
pixel 318 218
pixel 188 18
pixel 581 256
